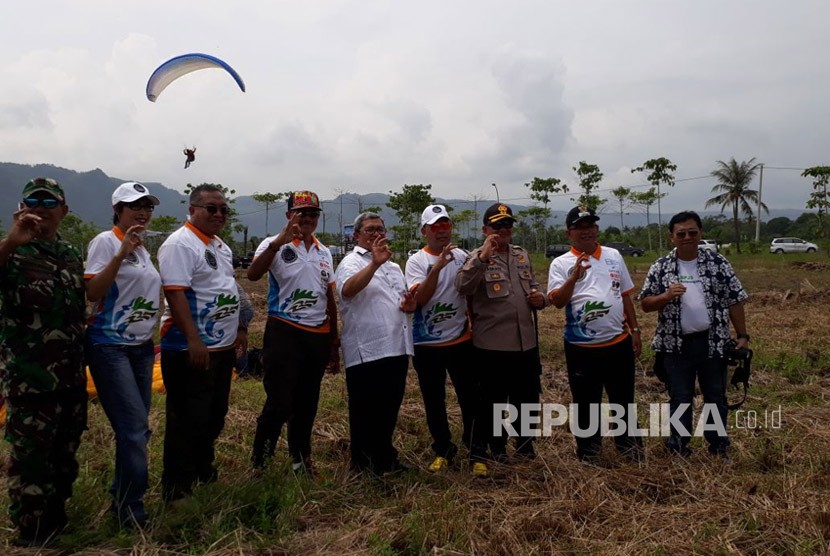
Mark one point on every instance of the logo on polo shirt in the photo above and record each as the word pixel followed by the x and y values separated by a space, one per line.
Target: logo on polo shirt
pixel 132 258
pixel 300 299
pixel 289 255
pixel 210 258
pixel 594 310
pixel 226 305
pixel 141 309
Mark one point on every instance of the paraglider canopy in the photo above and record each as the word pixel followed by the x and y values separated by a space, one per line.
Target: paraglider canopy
pixel 178 66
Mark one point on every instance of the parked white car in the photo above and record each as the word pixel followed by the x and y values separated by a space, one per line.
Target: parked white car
pixel 791 245
pixel 709 244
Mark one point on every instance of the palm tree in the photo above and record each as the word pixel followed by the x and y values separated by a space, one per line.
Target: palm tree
pixel 733 188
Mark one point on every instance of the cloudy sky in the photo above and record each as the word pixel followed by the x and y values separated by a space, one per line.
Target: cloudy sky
pixel 364 95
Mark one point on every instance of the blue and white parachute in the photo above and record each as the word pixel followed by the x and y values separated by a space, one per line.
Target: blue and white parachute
pixel 178 66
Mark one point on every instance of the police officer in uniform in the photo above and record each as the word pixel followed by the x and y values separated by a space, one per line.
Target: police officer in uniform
pixel 503 295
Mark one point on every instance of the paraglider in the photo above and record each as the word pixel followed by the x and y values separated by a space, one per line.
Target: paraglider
pixel 178 66
pixel 190 156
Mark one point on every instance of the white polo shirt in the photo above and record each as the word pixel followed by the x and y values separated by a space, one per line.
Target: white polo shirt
pixel 128 312
pixel 442 320
pixel 298 279
pixel 374 327
pixel 202 266
pixel 594 316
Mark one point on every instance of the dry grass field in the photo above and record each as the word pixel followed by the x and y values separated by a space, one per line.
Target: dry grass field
pixel 769 499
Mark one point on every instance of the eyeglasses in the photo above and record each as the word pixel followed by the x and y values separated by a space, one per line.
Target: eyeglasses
pixel 683 233
pixel 33 202
pixel 371 231
pixel 310 213
pixel 137 206
pixel 441 226
pixel 501 225
pixel 224 209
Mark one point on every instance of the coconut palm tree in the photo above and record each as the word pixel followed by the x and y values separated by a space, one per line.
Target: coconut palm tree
pixel 733 188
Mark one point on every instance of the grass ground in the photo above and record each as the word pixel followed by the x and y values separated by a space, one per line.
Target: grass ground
pixel 770 499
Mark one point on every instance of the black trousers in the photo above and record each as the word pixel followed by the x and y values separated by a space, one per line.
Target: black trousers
pixel 294 361
pixel 433 364
pixel 590 370
pixel 375 394
pixel 196 405
pixel 507 377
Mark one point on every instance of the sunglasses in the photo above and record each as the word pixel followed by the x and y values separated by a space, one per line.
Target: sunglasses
pixel 683 233
pixel 136 206
pixel 310 213
pixel 32 202
pixel 504 224
pixel 213 209
pixel 441 226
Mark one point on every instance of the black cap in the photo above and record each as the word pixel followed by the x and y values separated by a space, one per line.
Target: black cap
pixel 496 213
pixel 580 214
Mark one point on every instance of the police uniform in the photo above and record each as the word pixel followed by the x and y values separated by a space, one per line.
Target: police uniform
pixel 504 335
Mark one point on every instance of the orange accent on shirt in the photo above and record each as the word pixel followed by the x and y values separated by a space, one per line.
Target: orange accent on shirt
pixel 199 233
pixel 324 328
pixel 616 340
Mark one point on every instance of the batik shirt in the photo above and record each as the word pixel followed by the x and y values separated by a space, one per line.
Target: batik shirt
pixel 721 290
pixel 128 312
pixel 42 307
pixel 202 266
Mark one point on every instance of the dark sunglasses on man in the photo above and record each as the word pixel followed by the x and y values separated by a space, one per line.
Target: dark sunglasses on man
pixel 683 233
pixel 503 224
pixel 212 209
pixel 33 202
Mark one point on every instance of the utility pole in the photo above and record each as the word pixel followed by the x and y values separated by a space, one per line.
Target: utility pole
pixel 758 219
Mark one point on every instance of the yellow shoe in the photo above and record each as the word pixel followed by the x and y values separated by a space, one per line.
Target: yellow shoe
pixel 480 470
pixel 438 464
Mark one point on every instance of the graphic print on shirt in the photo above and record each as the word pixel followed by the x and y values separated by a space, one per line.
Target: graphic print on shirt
pixel 424 323
pixel 299 300
pixel 113 323
pixel 222 306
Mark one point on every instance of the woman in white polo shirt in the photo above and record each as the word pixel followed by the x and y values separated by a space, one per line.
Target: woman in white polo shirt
pixel 121 278
pixel 377 341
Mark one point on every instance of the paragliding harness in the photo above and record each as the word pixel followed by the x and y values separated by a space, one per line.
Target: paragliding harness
pixel 741 359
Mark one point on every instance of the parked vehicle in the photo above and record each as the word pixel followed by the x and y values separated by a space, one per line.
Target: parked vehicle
pixel 626 249
pixel 245 261
pixel 554 251
pixel 791 245
pixel 709 244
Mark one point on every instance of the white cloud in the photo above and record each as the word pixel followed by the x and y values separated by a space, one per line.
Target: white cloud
pixel 370 95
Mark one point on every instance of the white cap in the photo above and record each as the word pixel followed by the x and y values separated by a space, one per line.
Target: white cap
pixel 132 191
pixel 433 213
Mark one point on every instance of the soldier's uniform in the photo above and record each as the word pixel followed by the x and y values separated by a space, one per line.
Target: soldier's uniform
pixel 504 335
pixel 42 378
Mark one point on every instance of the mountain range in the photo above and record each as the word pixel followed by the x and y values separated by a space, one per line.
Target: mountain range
pixel 88 196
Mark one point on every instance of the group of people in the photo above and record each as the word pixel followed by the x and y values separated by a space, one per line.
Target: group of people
pixel 469 316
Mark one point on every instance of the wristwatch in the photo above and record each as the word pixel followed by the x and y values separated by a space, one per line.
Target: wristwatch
pixel 744 336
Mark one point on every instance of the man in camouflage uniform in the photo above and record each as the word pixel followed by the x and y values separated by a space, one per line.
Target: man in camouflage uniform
pixel 41 361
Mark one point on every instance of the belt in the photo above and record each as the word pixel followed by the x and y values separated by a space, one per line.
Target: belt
pixel 703 334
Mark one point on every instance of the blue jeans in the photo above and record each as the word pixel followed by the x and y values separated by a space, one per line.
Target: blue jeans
pixel 123 377
pixel 682 369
